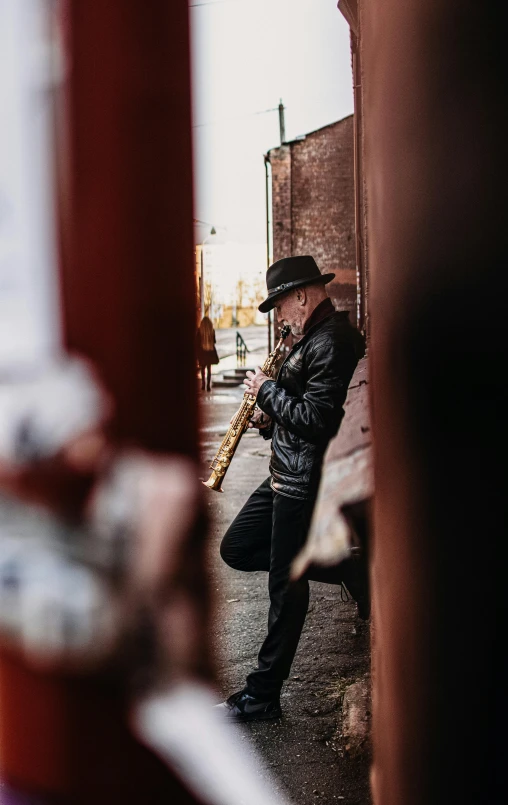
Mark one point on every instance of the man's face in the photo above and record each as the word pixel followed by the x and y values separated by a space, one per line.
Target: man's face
pixel 290 311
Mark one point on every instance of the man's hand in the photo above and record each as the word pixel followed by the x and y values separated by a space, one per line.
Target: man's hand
pixel 254 381
pixel 260 420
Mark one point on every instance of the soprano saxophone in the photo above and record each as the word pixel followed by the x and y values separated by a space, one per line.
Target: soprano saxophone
pixel 239 424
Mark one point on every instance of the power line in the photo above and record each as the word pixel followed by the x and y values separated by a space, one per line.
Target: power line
pixel 214 3
pixel 235 117
pixel 198 222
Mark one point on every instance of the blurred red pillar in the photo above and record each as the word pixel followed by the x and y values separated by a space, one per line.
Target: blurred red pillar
pixel 128 293
pixel 128 282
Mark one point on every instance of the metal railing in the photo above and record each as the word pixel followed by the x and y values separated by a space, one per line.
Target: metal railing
pixel 241 350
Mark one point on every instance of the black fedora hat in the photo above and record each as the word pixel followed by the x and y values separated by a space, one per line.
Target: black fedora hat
pixel 289 273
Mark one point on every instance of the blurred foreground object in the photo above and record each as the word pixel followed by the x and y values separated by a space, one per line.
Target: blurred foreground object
pixel 430 83
pixel 30 75
pixel 99 598
pixel 110 606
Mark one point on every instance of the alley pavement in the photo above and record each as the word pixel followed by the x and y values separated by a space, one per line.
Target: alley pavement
pixel 305 750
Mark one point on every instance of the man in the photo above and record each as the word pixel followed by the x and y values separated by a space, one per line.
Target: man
pixel 300 411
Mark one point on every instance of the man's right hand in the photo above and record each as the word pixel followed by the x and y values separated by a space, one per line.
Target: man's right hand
pixel 260 420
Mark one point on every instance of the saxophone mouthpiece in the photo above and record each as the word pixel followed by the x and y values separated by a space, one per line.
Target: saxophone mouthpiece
pixel 284 332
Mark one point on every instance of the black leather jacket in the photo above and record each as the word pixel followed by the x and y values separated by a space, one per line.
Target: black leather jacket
pixel 305 402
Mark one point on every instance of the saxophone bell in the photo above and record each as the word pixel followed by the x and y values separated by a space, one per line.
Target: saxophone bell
pixel 214 482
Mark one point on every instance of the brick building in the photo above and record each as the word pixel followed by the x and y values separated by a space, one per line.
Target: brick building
pixel 313 205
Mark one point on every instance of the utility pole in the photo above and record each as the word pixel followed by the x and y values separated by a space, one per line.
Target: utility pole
pixel 282 123
pixel 268 236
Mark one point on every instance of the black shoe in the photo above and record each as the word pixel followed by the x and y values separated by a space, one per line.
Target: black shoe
pixel 363 608
pixel 356 579
pixel 242 706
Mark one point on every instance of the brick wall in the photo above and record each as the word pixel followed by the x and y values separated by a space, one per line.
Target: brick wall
pixel 280 161
pixel 313 205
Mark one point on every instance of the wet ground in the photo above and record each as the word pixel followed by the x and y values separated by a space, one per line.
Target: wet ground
pixel 305 750
pixel 255 337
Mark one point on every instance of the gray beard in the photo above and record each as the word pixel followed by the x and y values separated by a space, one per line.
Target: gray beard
pixel 297 330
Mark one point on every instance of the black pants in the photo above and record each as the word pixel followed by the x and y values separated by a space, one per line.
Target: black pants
pixel 267 534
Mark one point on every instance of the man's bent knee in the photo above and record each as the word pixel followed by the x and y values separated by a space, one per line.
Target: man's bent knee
pixel 231 555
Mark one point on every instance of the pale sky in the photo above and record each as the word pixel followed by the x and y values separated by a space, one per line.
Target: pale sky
pixel 247 54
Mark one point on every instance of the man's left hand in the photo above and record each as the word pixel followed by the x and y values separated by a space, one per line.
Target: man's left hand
pixel 254 381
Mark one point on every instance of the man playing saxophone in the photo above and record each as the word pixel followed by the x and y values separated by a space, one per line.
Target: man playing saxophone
pixel 300 411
